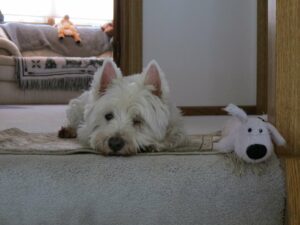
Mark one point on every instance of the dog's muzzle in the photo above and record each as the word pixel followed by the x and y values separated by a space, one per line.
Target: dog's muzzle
pixel 116 143
pixel 256 151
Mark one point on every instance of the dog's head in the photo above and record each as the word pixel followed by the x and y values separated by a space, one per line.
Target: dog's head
pixel 253 138
pixel 126 114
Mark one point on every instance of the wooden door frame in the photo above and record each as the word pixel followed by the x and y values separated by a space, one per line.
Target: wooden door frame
pixel 128 51
pixel 128 36
pixel 284 93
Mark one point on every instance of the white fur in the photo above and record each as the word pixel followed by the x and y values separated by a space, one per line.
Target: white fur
pixel 241 132
pixel 128 99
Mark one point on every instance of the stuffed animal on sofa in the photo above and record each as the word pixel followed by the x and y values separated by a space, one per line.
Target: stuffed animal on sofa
pixel 249 137
pixel 108 28
pixel 66 28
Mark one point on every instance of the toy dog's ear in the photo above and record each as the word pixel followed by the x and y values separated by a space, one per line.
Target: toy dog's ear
pixel 276 136
pixel 104 77
pixel 237 112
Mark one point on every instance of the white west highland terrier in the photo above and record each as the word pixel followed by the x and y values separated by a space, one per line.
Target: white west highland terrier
pixel 125 115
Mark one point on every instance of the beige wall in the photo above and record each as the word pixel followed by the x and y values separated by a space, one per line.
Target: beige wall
pixel 207 49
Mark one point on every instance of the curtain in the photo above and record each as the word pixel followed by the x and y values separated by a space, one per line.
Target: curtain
pixel 81 12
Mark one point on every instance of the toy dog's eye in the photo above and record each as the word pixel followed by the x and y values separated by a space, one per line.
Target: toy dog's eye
pixel 249 130
pixel 260 130
pixel 109 116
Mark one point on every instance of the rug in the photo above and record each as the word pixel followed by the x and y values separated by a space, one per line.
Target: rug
pixel 64 73
pixel 16 141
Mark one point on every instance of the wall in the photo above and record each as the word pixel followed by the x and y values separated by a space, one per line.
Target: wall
pixel 207 48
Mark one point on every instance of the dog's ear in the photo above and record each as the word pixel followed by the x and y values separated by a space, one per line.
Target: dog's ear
pixel 108 74
pixel 104 77
pixel 237 112
pixel 155 77
pixel 276 136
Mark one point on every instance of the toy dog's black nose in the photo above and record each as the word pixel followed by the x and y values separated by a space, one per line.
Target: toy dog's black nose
pixel 116 143
pixel 256 151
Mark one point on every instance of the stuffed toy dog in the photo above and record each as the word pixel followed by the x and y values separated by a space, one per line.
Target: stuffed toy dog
pixel 66 28
pixel 249 137
pixel 108 28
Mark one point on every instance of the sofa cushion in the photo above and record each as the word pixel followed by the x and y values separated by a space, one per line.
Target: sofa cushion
pixel 7 73
pixel 12 94
pixel 9 48
pixel 40 52
pixel 7 69
pixel 29 37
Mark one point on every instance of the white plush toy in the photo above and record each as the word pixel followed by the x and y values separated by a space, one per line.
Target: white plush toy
pixel 249 137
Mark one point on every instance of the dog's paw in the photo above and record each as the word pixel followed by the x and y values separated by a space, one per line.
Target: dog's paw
pixel 67 132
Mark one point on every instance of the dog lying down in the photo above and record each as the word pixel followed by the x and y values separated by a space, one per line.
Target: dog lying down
pixel 125 115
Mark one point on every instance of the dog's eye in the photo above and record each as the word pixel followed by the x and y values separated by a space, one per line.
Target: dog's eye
pixel 109 116
pixel 249 130
pixel 260 130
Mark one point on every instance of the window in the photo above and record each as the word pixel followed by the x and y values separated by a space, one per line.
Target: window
pixel 87 12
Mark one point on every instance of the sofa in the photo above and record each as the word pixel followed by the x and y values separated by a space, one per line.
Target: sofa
pixel 26 41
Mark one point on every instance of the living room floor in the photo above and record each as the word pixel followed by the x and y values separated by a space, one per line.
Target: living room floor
pixel 49 118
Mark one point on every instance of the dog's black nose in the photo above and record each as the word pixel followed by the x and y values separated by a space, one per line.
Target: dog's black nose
pixel 116 143
pixel 256 151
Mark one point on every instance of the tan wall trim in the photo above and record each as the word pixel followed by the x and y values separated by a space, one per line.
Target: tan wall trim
pixel 271 59
pixel 262 57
